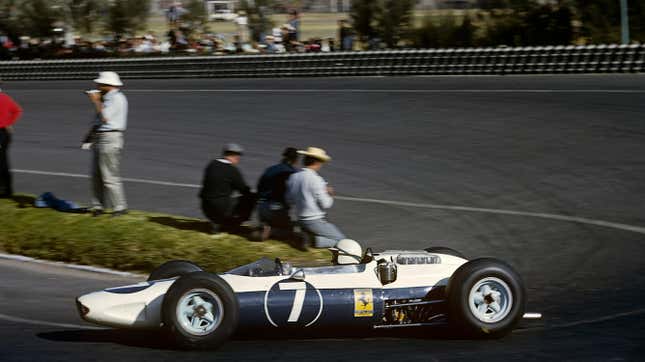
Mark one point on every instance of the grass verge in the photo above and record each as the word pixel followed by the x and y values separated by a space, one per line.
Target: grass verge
pixel 139 241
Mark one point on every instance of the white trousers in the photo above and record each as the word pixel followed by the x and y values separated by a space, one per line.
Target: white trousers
pixel 107 188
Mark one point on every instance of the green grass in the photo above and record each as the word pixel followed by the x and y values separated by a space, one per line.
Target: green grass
pixel 138 241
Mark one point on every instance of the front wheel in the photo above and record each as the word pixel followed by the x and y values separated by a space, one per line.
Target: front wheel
pixel 486 298
pixel 200 310
pixel 173 269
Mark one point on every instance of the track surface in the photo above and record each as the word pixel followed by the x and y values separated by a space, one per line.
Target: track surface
pixel 559 145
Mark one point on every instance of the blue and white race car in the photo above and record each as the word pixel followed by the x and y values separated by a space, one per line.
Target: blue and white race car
pixel 392 289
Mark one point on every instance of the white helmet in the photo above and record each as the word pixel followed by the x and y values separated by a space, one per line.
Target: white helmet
pixel 347 251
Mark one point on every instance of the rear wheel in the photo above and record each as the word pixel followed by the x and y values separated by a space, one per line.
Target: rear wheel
pixel 200 311
pixel 173 269
pixel 486 298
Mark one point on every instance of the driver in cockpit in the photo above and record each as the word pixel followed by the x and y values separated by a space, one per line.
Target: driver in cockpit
pixel 347 252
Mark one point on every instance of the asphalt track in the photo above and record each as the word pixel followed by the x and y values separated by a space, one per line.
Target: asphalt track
pixel 444 149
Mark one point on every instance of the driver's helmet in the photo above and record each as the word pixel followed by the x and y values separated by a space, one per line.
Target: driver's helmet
pixel 347 251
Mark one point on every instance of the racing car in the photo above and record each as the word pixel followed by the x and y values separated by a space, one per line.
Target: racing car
pixel 478 298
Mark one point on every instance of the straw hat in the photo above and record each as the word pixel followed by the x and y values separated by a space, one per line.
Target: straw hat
pixel 317 153
pixel 109 78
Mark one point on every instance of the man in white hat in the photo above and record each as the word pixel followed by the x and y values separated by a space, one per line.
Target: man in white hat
pixel 111 121
pixel 310 195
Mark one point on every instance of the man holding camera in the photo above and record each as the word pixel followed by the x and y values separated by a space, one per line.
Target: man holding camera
pixel 107 143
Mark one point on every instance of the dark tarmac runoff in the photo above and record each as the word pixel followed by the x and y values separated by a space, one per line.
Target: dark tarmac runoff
pixel 545 172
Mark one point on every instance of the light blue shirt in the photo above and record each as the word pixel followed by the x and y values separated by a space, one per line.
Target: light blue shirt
pixel 307 192
pixel 115 112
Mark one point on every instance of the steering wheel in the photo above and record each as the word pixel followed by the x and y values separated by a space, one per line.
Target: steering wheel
pixel 368 257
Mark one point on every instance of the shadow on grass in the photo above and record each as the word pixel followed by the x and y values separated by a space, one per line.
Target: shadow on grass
pixel 202 226
pixel 23 201
pixel 183 224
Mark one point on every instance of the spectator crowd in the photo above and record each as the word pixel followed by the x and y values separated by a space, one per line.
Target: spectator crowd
pixel 181 39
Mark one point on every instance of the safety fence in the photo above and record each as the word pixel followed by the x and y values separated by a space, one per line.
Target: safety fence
pixel 520 60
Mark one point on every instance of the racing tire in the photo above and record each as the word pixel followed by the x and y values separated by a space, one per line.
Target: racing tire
pixel 486 299
pixel 172 269
pixel 445 250
pixel 200 311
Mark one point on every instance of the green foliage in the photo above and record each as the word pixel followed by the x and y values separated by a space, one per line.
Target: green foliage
pixel 546 25
pixel 517 25
pixel 505 29
pixel 363 13
pixel 427 36
pixel 127 16
pixel 448 33
pixel 8 17
pixel 388 20
pixel 539 25
pixel 258 12
pixel 84 14
pixel 117 21
pixel 519 5
pixel 37 17
pixel 464 34
pixel 139 241
pixel 393 20
pixel 600 19
pixel 197 16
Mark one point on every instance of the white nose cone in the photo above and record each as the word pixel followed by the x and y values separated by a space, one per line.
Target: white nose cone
pixel 132 306
pixel 110 309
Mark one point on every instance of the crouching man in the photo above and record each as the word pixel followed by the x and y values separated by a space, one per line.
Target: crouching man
pixel 221 179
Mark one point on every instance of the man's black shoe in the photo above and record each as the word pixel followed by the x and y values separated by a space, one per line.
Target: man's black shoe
pixel 96 212
pixel 299 242
pixel 255 235
pixel 119 213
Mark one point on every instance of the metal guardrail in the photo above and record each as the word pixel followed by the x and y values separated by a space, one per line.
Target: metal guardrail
pixel 521 60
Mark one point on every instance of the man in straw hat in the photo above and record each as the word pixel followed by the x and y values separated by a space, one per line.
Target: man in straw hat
pixel 107 142
pixel 308 192
pixel 10 111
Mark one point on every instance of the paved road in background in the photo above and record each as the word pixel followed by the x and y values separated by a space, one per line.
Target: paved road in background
pixel 570 146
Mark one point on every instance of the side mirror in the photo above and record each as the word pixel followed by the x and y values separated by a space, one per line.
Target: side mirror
pixel 298 275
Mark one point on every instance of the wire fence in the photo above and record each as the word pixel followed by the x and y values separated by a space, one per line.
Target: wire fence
pixel 477 61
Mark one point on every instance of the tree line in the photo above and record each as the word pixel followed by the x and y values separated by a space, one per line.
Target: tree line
pixel 376 23
pixel 389 23
pixel 43 18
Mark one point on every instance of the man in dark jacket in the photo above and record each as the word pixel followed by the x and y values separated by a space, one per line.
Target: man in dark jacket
pixel 221 179
pixel 273 210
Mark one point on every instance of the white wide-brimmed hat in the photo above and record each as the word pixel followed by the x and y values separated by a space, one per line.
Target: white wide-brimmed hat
pixel 317 153
pixel 109 78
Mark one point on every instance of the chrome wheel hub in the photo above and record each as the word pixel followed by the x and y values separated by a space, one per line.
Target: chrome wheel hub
pixel 200 311
pixel 490 300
